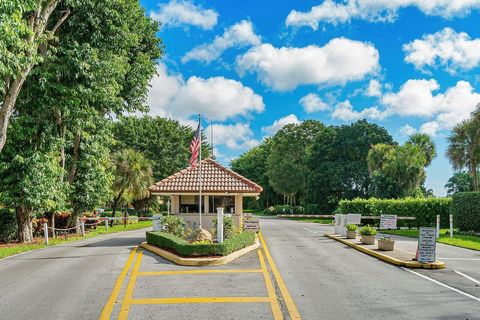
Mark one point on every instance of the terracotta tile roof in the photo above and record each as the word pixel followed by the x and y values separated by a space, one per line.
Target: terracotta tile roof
pixel 215 178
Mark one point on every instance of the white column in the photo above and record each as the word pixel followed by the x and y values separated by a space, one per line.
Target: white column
pixel 206 204
pixel 220 225
pixel 175 204
pixel 239 204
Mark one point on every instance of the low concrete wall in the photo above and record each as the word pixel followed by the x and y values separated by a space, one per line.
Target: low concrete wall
pixel 192 220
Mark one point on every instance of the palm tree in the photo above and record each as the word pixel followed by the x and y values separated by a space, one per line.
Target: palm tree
pixel 133 175
pixel 459 182
pixel 464 148
pixel 426 145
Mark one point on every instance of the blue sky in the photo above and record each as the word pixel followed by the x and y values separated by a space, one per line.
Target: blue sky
pixel 251 66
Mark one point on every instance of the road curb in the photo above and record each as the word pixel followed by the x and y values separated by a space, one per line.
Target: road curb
pixel 391 260
pixel 192 262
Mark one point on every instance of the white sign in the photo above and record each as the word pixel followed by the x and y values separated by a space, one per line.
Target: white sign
pixel 157 222
pixel 353 218
pixel 251 225
pixel 388 221
pixel 426 245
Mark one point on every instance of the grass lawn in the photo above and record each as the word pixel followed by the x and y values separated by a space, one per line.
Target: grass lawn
pixel 458 240
pixel 314 220
pixel 11 249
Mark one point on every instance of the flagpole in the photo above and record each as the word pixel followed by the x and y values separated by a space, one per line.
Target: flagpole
pixel 200 174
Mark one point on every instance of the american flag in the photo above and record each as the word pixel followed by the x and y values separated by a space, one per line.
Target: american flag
pixel 194 147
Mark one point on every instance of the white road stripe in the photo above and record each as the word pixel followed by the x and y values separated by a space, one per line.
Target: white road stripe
pixel 443 285
pixel 460 259
pixel 468 277
pixel 314 232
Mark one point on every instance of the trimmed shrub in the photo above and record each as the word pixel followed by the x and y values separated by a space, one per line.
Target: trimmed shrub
pixel 368 231
pixel 175 225
pixel 182 247
pixel 466 211
pixel 424 210
pixel 8 225
pixel 228 227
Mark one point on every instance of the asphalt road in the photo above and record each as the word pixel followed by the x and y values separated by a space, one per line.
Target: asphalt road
pixel 325 279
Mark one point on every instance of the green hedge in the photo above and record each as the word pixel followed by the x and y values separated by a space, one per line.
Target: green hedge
pixel 186 249
pixel 424 210
pixel 466 211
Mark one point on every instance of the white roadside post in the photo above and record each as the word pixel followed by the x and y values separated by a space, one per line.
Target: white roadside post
pixel 82 225
pixel 45 232
pixel 451 226
pixel 106 224
pixel 438 227
pixel 157 222
pixel 220 225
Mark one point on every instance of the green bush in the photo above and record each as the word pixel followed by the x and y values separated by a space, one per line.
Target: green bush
pixel 424 210
pixel 351 227
pixel 228 227
pixel 466 211
pixel 8 225
pixel 368 231
pixel 183 248
pixel 175 225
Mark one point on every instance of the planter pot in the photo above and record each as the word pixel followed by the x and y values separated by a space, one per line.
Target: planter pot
pixel 368 239
pixel 351 234
pixel 386 245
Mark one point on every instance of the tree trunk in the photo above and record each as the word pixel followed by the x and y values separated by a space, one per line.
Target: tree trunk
pixel 115 202
pixel 76 152
pixel 24 223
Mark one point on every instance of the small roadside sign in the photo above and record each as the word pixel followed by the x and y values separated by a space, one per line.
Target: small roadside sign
pixel 354 218
pixel 251 225
pixel 388 221
pixel 427 245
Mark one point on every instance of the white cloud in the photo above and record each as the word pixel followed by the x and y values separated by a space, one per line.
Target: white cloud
pixel 176 13
pixel 407 130
pixel 239 35
pixel 286 68
pixel 216 98
pixel 374 89
pixel 417 98
pixel 278 124
pixel 344 111
pixel 234 136
pixel 445 48
pixel 313 103
pixel 333 12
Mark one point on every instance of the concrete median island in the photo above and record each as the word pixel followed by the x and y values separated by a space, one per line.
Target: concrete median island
pixel 396 257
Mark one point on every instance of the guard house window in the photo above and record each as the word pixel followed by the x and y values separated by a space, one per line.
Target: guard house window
pixel 225 202
pixel 189 204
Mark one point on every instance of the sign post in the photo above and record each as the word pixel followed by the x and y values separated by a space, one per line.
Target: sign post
pixel 388 221
pixel 157 222
pixel 220 225
pixel 438 227
pixel 427 245
pixel 45 233
pixel 451 226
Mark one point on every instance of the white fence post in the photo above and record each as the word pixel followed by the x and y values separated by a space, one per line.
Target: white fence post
pixel 438 227
pixel 451 226
pixel 220 225
pixel 82 225
pixel 106 224
pixel 45 232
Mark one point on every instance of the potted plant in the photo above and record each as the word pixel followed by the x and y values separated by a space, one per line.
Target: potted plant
pixel 368 235
pixel 351 231
pixel 386 243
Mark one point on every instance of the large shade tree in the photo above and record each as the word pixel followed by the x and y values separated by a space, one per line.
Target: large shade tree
pixel 287 164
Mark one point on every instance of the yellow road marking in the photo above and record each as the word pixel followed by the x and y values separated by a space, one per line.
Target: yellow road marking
pixel 199 300
pixel 129 292
pixel 174 272
pixel 107 310
pixel 292 309
pixel 277 313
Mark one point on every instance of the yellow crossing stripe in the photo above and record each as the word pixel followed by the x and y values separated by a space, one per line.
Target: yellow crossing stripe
pixel 199 300
pixel 175 272
pixel 107 310
pixel 277 313
pixel 129 292
pixel 292 309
